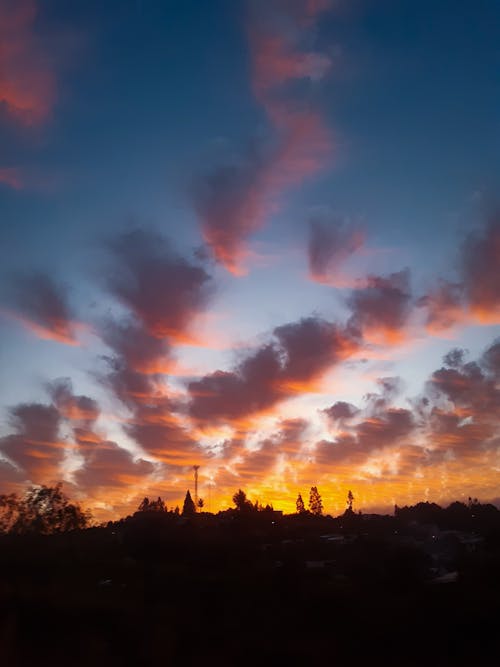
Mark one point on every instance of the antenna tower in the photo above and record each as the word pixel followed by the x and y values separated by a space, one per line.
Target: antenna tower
pixel 195 468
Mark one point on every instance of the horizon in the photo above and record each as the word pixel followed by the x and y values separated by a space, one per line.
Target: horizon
pixel 261 238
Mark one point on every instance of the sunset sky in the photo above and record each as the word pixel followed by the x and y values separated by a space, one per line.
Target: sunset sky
pixel 258 237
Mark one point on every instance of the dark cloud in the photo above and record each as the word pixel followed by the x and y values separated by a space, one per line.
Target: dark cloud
pixel 463 407
pixel 77 408
pixel 35 446
pixel 340 411
pixel 131 341
pixel 42 307
pixel 135 377
pixel 298 355
pixel 480 264
pixel 475 296
pixel 387 428
pixel 163 290
pixel 112 466
pixel 381 309
pixel 232 200
pixel 331 242
pixel 491 360
pixel 444 306
pixel 455 358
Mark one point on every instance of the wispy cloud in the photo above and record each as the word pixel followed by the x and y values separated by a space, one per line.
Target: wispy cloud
pixel 27 78
pixel 41 306
pixel 235 199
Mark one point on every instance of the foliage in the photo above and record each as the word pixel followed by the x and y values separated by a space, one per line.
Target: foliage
pixel 315 502
pixel 241 502
pixel 188 509
pixel 299 504
pixel 152 506
pixel 350 500
pixel 201 503
pixel 42 509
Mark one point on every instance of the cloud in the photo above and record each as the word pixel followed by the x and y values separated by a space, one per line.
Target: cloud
pixel 234 199
pixel 341 411
pixel 474 297
pixel 163 290
pixel 296 357
pixel 143 352
pixel 35 446
pixel 380 310
pixel 361 435
pixel 331 242
pixel 135 377
pixel 110 466
pixel 11 176
pixel 481 273
pixel 444 306
pixel 41 306
pixel 27 79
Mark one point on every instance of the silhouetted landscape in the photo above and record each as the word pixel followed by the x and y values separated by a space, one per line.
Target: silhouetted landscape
pixel 248 584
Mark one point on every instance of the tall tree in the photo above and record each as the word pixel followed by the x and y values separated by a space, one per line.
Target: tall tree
pixel 144 506
pixel 188 509
pixel 299 504
pixel 350 500
pixel 315 502
pixel 241 501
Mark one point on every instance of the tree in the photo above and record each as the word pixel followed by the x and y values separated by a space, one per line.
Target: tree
pixel 299 504
pixel 350 500
pixel 241 501
pixel 188 509
pixel 201 503
pixel 144 506
pixel 42 509
pixel 315 502
pixel 152 505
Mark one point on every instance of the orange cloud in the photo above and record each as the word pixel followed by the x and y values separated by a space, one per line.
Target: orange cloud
pixel 27 80
pixel 59 331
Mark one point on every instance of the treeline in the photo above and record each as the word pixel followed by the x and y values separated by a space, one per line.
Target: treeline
pixel 46 510
pixel 458 515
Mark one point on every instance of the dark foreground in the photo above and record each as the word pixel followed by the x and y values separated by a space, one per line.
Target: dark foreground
pixel 158 591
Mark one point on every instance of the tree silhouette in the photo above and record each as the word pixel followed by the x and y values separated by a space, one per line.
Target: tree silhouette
pixel 299 504
pixel 188 509
pixel 144 506
pixel 201 503
pixel 350 500
pixel 152 506
pixel 43 509
pixel 315 502
pixel 241 501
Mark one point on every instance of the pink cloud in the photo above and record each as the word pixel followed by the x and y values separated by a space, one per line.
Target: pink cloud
pixel 235 200
pixel 27 79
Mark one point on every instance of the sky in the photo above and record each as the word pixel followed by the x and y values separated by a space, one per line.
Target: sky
pixel 258 237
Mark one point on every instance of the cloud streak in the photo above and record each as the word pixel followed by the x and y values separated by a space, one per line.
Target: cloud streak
pixel 27 79
pixel 235 199
pixel 41 306
pixel 291 363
